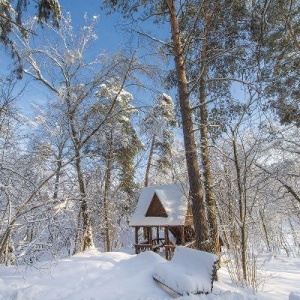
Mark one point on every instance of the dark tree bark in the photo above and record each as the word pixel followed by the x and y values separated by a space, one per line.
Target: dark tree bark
pixel 109 158
pixel 207 176
pixel 168 9
pixel 208 182
pixel 196 190
pixel 85 239
pixel 242 208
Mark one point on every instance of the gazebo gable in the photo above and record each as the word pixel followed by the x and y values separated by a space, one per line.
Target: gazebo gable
pixel 156 208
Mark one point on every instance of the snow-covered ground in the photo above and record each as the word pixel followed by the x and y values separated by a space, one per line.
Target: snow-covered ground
pixel 94 275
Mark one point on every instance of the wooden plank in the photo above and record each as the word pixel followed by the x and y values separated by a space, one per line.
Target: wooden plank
pixel 171 292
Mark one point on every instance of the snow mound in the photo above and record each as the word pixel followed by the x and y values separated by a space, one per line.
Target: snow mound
pixel 228 295
pixel 293 296
pixel 189 271
pixel 116 275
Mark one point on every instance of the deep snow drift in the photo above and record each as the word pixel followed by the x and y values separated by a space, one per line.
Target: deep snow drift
pixel 93 275
pixel 190 271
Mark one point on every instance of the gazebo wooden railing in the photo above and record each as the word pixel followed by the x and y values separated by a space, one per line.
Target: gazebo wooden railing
pixel 146 246
pixel 169 249
pixel 158 243
pixel 142 247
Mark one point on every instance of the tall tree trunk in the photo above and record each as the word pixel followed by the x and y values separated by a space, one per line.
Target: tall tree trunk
pixel 86 240
pixel 105 198
pixel 241 210
pixel 208 183
pixel 196 191
pixel 58 158
pixel 230 205
pixel 6 242
pixel 149 161
pixel 57 175
pixel 146 183
pixel 262 218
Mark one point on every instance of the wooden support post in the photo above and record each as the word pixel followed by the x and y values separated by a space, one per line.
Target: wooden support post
pixel 136 237
pixel 150 235
pixel 167 242
pixel 137 234
pixel 182 236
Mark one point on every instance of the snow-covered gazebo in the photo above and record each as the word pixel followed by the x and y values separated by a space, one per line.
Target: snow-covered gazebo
pixel 165 216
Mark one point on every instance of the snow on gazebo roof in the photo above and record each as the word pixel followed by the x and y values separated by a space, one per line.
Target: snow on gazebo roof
pixel 161 205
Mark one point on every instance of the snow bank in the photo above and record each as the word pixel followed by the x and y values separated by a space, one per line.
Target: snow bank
pixel 189 271
pixel 293 296
pixel 120 276
pixel 86 276
pixel 228 295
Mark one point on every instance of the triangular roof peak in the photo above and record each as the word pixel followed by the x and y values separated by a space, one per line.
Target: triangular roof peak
pixel 156 209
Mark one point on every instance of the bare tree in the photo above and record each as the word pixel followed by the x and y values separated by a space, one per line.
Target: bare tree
pixel 11 19
pixel 61 65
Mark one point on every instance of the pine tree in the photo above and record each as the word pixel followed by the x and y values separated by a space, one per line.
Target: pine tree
pixel 215 50
pixel 167 11
pixel 117 144
pixel 275 29
pixel 158 125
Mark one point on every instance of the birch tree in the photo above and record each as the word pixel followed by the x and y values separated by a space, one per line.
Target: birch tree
pixel 237 202
pixel 243 191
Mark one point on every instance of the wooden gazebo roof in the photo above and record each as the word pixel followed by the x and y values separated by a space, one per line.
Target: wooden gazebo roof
pixel 163 205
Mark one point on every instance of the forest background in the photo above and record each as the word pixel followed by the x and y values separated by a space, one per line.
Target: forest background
pixel 108 105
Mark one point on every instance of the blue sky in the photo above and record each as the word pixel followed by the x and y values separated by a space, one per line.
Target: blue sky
pixel 110 35
pixel 111 38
